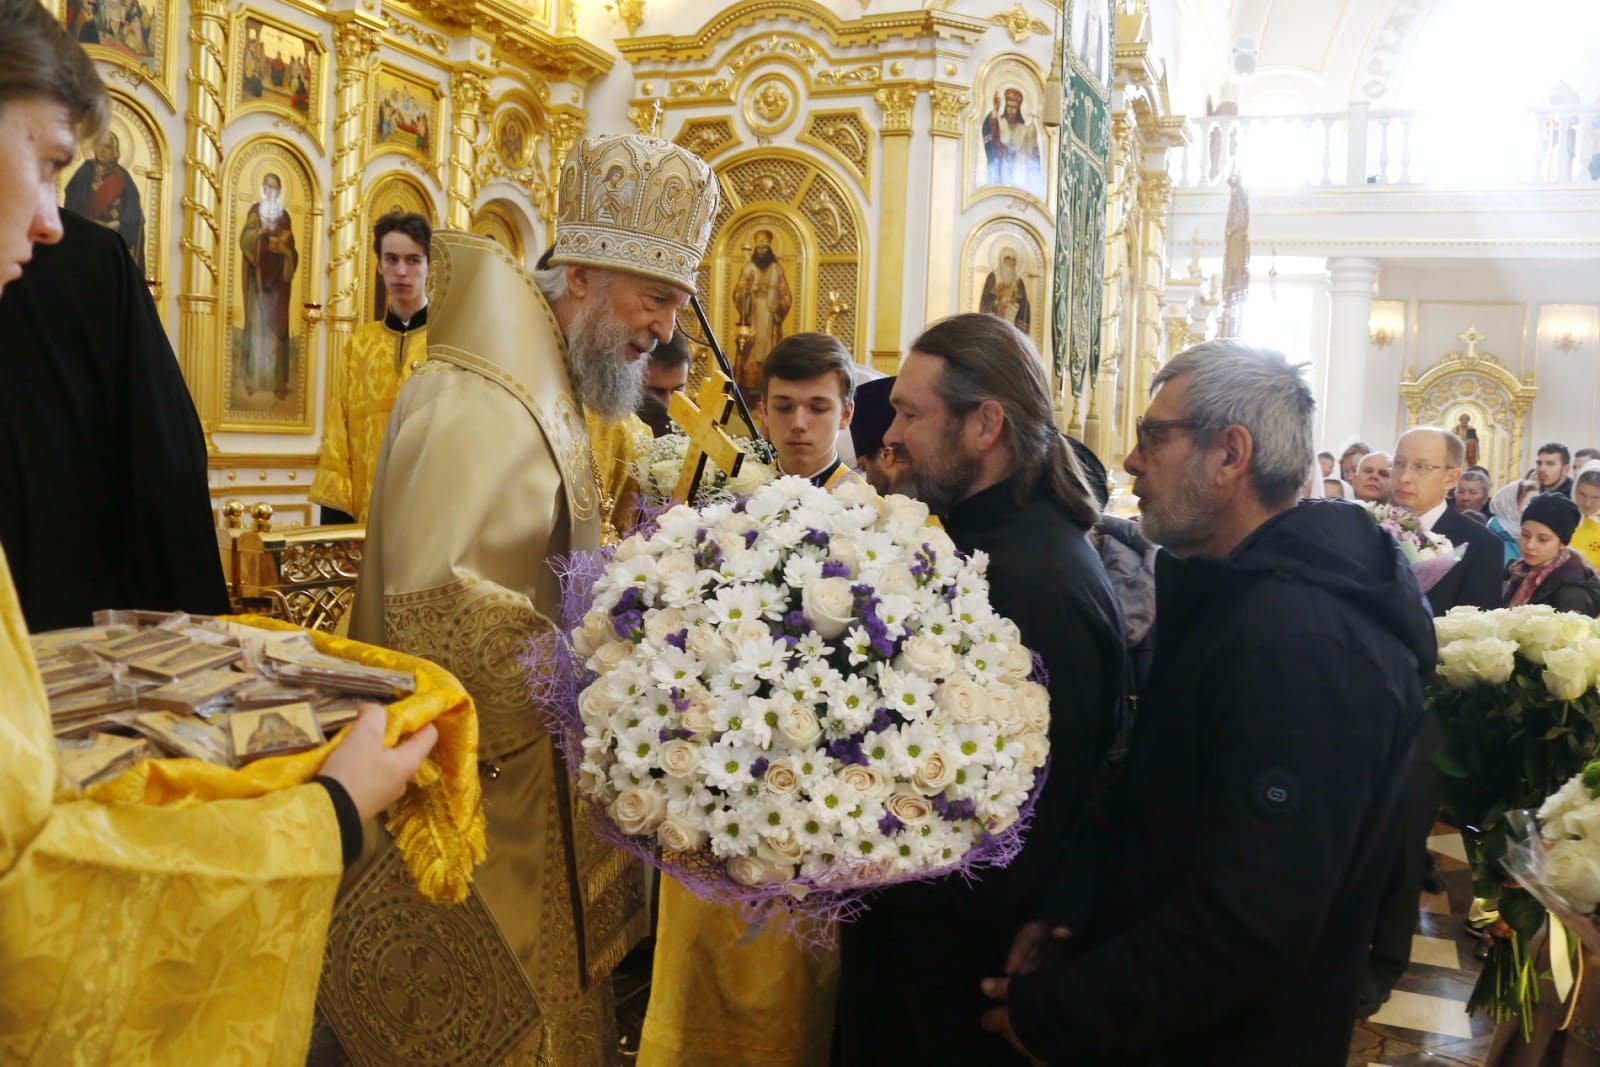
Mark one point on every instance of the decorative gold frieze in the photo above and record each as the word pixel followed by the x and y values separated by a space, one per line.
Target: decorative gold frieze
pixel 717 88
pixel 776 45
pixel 866 74
pixel 435 42
pixel 868 31
pixel 1019 24
pixel 897 101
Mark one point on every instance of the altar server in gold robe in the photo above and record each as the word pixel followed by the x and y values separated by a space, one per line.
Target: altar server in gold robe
pixel 135 934
pixel 722 995
pixel 486 473
pixel 378 358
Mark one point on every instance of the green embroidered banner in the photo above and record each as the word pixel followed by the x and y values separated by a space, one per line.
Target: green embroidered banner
pixel 1085 142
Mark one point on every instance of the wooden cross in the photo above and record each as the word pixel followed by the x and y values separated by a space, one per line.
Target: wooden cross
pixel 1472 337
pixel 704 419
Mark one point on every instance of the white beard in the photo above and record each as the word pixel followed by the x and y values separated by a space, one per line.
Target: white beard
pixel 271 211
pixel 1006 275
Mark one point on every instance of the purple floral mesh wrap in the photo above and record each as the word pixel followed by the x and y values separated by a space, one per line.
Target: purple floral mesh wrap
pixel 808 910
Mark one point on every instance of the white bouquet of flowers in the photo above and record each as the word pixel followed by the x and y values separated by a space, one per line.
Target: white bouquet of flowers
pixel 1431 555
pixel 802 695
pixel 658 468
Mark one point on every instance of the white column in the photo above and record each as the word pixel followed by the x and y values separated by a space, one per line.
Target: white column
pixel 1350 282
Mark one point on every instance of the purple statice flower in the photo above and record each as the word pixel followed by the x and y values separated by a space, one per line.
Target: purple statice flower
pixel 680 700
pixel 628 601
pixel 953 810
pixel 835 569
pixel 666 735
pixel 709 556
pixel 679 640
pixel 815 537
pixel 750 538
pixel 848 750
pixel 888 826
pixel 881 721
pixel 877 630
pixel 627 624
pixel 758 766
pixel 796 621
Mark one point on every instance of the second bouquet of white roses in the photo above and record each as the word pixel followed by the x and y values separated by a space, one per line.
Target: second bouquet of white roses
pixel 801 695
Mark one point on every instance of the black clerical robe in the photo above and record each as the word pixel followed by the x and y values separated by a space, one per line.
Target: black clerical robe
pixel 910 967
pixel 102 459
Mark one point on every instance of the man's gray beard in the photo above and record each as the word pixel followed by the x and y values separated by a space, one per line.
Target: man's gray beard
pixel 1183 518
pixel 604 379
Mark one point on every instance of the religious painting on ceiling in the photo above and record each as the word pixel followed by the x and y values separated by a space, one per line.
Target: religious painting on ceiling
pixel 277 68
pixel 1007 150
pixel 763 263
pixel 394 192
pixel 1080 239
pixel 137 35
pixel 271 218
pixel 118 184
pixel 1007 274
pixel 407 115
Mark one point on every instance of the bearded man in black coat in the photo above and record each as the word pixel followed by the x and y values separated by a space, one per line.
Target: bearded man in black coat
pixel 974 440
pixel 1240 864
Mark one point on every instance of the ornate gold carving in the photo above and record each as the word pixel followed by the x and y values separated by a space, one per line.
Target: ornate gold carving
pixel 897 103
pixel 628 12
pixel 846 137
pixel 770 103
pixel 356 39
pixel 706 137
pixel 1478 380
pixel 948 104
pixel 202 233
pixel 468 88
pixel 714 87
pixel 438 42
pixel 866 32
pixel 646 119
pixel 836 308
pixel 1019 24
pixel 775 45
pixel 867 74
pixel 566 126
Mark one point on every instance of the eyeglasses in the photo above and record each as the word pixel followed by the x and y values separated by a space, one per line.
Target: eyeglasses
pixel 1422 470
pixel 1154 431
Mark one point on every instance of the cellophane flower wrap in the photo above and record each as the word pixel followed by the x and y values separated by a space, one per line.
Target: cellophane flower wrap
pixel 1431 555
pixel 1516 700
pixel 796 697
pixel 658 469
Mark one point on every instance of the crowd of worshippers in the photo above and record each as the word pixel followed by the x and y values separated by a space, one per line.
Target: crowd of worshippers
pixel 1547 521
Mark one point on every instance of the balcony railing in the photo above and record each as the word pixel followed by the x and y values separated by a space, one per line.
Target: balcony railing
pixel 1541 147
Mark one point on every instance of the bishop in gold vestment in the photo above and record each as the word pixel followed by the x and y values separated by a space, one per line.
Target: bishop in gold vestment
pixel 486 474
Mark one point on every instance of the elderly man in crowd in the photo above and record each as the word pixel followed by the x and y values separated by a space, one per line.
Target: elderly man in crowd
pixel 1473 491
pixel 1373 478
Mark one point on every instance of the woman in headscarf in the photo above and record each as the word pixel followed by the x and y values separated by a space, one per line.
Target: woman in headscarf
pixel 1505 514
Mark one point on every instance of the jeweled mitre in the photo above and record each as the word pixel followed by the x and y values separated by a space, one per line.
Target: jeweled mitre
pixel 635 204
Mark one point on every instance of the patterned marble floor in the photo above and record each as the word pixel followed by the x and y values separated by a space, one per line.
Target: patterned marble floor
pixel 1425 1021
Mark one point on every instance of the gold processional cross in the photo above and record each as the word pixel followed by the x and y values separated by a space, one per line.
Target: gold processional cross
pixel 704 419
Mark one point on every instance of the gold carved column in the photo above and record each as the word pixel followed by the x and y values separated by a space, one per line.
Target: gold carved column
pixel 897 102
pixel 468 87
pixel 198 352
pixel 355 41
pixel 1155 200
pixel 567 123
pixel 944 198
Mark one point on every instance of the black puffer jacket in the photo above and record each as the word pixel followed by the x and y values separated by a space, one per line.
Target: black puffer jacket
pixel 1240 868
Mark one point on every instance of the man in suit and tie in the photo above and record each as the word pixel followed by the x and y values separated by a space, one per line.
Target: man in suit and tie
pixel 1427 464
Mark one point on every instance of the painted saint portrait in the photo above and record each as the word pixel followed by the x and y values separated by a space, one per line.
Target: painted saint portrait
pixel 277 66
pixel 1013 142
pixel 404 114
pixel 1091 37
pixel 513 139
pixel 613 196
pixel 127 27
pixel 102 190
pixel 762 300
pixel 270 259
pixel 1005 294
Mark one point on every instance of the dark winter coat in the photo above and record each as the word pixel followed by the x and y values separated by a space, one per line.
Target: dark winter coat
pixel 1240 869
pixel 1573 586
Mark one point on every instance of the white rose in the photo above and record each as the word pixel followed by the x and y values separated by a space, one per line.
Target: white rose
pixel 735 526
pixel 1486 661
pixel 709 647
pixel 595 632
pixel 904 511
pixel 997 822
pixel 1017 662
pixel 855 494
pixel 678 757
pixel 675 565
pixel 1568 798
pixel 1583 820
pixel 799 726
pixel 1573 869
pixel 748 630
pixel 748 870
pixel 846 550
pixel 1006 708
pixel 609 657
pixel 1035 748
pixel 781 780
pixel 926 656
pixel 1566 673
pixel 660 625
pixel 629 549
pixel 913 809
pixel 638 810
pixel 963 700
pixel 934 773
pixel 697 715
pixel 752 476
pixel 829 606
pixel 780 850
pixel 677 834
pixel 935 538
pixel 1034 700
pixel 897 581
pixel 868 781
pixel 596 705
pixel 665 474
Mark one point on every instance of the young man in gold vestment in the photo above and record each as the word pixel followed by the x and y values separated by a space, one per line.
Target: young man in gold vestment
pixel 486 474
pixel 378 359
pixel 136 934
pixel 719 997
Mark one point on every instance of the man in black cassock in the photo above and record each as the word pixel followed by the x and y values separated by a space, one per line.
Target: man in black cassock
pixel 974 434
pixel 102 459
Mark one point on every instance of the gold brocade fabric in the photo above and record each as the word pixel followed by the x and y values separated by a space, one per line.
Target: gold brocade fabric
pixel 485 475
pixel 721 998
pixel 1586 540
pixel 377 361
pixel 617 447
pixel 134 935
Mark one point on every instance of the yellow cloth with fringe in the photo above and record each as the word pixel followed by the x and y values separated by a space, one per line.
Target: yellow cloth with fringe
pixel 133 934
pixel 438 823
pixel 720 997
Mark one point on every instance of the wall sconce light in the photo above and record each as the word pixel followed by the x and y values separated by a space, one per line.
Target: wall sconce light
pixel 1567 338
pixel 1382 333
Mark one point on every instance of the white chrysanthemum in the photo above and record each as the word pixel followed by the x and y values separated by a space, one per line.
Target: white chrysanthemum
pixel 852 702
pixel 671 666
pixel 734 604
pixel 802 568
pixel 905 693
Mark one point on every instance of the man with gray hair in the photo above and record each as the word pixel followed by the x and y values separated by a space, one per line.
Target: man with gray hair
pixel 1473 491
pixel 1234 879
